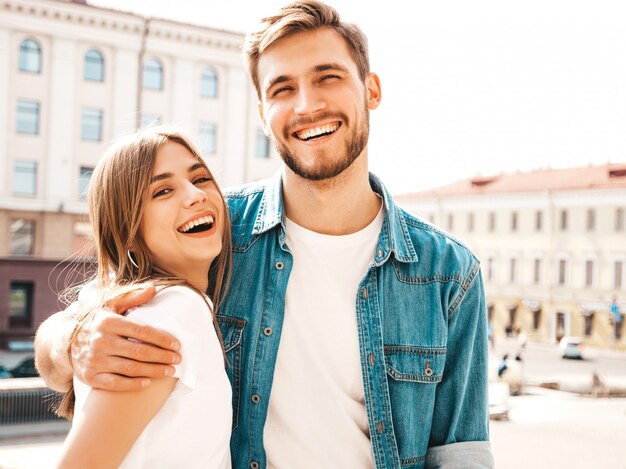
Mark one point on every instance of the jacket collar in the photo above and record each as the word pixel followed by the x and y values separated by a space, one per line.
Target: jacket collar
pixel 394 236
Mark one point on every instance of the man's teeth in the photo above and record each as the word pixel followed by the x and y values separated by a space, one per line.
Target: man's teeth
pixel 200 221
pixel 317 131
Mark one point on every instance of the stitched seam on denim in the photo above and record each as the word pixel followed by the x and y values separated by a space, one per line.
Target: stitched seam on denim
pixel 412 350
pixel 413 460
pixel 464 288
pixel 243 248
pixel 244 192
pixel 426 280
pixel 237 322
pixel 395 374
pixel 386 401
pixel 410 220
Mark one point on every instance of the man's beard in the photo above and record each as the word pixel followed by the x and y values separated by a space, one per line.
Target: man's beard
pixel 354 145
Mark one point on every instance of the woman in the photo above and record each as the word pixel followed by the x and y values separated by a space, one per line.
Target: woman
pixel 158 217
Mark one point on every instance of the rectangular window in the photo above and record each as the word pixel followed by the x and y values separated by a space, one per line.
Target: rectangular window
pixel 27 117
pixel 208 138
pixel 450 222
pixel 83 181
pixel 25 178
pixel 22 237
pixel 514 221
pixel 536 319
pixel 591 219
pixel 512 270
pixel 470 222
pixel 91 125
pixel 618 271
pixel 262 145
pixel 563 224
pixel 619 219
pixel 537 271
pixel 490 269
pixel 21 305
pixel 588 324
pixel 538 220
pixel 492 222
pixel 562 271
pixel 589 268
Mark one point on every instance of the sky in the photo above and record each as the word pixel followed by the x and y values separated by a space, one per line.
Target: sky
pixel 472 87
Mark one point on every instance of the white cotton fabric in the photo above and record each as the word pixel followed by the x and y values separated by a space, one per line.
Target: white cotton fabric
pixel 317 416
pixel 192 429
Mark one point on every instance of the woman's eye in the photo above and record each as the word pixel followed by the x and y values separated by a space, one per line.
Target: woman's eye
pixel 202 179
pixel 161 193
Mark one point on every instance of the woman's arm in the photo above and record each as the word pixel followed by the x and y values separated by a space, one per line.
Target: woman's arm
pixel 106 428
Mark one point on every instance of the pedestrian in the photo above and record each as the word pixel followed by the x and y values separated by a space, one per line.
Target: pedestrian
pixel 356 333
pixel 158 219
pixel 503 366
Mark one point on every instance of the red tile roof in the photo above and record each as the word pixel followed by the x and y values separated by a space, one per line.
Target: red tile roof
pixel 607 176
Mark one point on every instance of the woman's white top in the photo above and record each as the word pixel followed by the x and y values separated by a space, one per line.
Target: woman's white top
pixel 192 429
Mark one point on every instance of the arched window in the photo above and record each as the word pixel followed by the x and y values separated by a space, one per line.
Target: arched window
pixel 94 65
pixel 30 56
pixel 152 75
pixel 208 83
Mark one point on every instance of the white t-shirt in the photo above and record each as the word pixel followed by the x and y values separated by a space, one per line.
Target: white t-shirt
pixel 317 416
pixel 192 429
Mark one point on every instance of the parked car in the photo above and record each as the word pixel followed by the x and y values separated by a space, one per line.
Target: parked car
pixel 25 369
pixel 571 347
pixel 5 373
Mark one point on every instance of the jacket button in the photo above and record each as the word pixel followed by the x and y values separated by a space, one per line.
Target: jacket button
pixel 380 253
pixel 380 427
pixel 372 359
pixel 267 331
pixel 280 265
pixel 256 399
pixel 254 465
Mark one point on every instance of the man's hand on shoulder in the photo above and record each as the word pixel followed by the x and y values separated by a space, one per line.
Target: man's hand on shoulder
pixel 103 356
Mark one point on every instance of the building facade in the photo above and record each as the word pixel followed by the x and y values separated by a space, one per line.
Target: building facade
pixel 552 246
pixel 72 78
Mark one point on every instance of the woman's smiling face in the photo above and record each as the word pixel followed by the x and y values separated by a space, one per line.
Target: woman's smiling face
pixel 183 222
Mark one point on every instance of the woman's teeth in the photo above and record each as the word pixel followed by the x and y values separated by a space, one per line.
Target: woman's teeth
pixel 208 220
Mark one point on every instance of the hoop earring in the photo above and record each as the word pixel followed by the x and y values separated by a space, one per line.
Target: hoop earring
pixel 132 261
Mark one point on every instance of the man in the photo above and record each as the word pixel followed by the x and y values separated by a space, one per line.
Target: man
pixel 356 335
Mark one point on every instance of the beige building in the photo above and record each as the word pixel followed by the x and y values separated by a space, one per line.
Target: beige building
pixel 72 78
pixel 552 245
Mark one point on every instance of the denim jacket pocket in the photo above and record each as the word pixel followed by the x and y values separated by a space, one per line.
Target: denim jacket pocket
pixel 412 375
pixel 231 329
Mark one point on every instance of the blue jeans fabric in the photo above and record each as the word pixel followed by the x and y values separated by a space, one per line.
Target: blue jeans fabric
pixel 422 334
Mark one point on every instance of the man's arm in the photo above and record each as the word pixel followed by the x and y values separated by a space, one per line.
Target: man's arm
pixel 101 355
pixel 460 431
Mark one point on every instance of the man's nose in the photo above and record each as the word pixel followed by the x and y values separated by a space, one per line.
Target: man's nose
pixel 310 100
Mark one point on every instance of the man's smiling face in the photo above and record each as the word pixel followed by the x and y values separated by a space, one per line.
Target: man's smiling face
pixel 313 103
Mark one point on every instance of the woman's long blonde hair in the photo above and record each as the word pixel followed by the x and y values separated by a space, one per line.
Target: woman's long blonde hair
pixel 117 193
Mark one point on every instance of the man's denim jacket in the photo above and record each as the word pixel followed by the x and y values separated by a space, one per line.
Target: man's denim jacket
pixel 422 335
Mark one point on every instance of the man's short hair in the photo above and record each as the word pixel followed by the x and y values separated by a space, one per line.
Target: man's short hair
pixel 306 15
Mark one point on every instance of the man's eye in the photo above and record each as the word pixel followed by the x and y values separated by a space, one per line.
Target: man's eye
pixel 328 77
pixel 281 90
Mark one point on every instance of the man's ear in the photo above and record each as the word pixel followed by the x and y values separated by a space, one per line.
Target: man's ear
pixel 373 90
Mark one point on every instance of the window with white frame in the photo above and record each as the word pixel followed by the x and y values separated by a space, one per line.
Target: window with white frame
pixel 208 138
pixel 470 222
pixel 590 268
pixel 537 264
pixel 562 264
pixel 513 269
pixel 491 222
pixel 91 125
pixel 21 237
pixel 619 219
pixel 591 220
pixel 538 220
pixel 152 77
pixel 618 274
pixel 25 178
pixel 262 145
pixel 93 69
pixel 27 117
pixel 563 220
pixel 30 56
pixel 84 177
pixel 208 83
pixel 514 217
